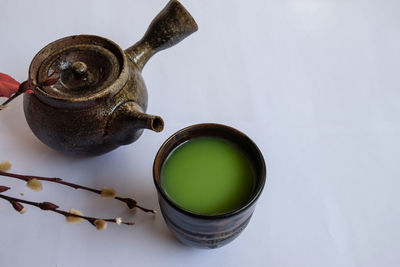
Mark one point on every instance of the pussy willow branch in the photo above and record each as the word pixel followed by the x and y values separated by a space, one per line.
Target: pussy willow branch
pixel 54 208
pixel 131 203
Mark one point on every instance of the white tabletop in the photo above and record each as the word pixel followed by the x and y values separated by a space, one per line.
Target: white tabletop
pixel 314 83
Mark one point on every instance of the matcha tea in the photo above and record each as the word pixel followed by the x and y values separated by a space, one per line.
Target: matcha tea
pixel 208 175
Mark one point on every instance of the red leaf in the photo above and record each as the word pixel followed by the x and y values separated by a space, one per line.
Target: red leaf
pixel 50 81
pixel 8 86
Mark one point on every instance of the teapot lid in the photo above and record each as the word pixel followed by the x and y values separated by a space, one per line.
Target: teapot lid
pixel 87 66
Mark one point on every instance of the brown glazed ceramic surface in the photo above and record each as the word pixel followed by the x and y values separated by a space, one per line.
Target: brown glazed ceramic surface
pixel 208 231
pixel 100 100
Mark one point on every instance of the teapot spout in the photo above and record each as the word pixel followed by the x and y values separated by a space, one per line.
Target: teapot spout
pixel 127 123
pixel 172 25
pixel 147 121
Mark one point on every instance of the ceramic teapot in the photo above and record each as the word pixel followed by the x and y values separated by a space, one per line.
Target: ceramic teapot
pixel 100 99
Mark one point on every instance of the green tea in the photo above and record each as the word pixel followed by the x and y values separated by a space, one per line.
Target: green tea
pixel 208 175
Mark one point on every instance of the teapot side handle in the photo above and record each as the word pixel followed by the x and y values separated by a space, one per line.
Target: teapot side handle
pixel 169 27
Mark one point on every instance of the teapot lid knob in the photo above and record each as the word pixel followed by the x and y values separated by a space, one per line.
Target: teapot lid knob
pixel 79 68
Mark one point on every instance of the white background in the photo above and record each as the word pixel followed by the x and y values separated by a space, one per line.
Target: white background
pixel 314 83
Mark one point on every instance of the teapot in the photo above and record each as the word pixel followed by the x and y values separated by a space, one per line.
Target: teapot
pixel 100 98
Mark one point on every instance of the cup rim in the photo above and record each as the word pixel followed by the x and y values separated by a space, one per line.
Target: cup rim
pixel 176 137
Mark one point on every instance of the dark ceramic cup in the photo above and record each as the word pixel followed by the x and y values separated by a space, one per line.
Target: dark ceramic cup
pixel 208 231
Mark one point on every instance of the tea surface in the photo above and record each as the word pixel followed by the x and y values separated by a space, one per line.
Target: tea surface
pixel 208 176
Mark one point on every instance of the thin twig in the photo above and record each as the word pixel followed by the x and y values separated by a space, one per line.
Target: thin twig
pixel 130 202
pixel 43 205
pixel 29 85
pixel 11 99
